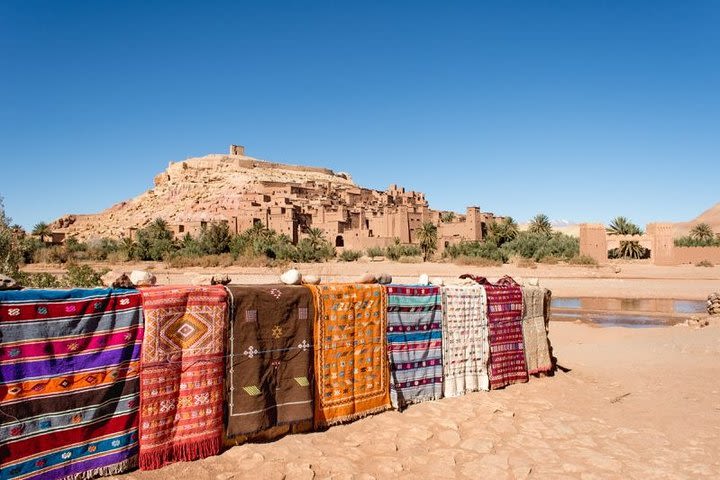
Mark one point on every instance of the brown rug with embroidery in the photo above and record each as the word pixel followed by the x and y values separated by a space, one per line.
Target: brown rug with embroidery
pixel 270 367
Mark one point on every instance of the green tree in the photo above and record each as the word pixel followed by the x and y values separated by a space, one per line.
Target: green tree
pixel 540 223
pixel 215 239
pixel 10 254
pixel 503 231
pixel 628 248
pixel 447 217
pixel 316 236
pixel 42 230
pixel 623 226
pixel 427 235
pixel 154 242
pixel 702 232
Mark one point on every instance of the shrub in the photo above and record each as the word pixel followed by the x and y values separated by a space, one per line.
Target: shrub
pixel 689 241
pixel 207 261
pixel 583 260
pixel 526 263
pixel 704 263
pixel 215 239
pixel 38 280
pixel 154 242
pixel 487 250
pixel 550 260
pixel 310 251
pixel 410 259
pixel 10 254
pixel 350 255
pixel 539 245
pixel 104 248
pixel 57 254
pixel 476 261
pixel 394 252
pixel 82 276
pixel 375 252
pixel 29 248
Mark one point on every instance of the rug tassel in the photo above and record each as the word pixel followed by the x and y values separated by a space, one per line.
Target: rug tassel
pixel 184 452
pixel 114 469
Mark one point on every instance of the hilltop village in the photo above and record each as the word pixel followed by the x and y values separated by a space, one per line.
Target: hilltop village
pixel 242 191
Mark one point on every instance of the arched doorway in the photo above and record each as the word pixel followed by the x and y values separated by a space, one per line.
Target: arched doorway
pixel 339 241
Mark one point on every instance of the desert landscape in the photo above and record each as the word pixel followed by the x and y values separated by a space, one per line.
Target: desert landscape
pixel 359 240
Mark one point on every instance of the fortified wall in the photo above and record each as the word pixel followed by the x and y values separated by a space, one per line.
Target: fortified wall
pixel 659 239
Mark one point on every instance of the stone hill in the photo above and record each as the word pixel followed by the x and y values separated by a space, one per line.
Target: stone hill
pixel 241 191
pixel 193 190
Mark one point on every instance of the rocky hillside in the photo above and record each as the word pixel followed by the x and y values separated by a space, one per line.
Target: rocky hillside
pixel 193 190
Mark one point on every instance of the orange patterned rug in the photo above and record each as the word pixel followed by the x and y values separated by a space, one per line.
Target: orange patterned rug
pixel 182 374
pixel 351 365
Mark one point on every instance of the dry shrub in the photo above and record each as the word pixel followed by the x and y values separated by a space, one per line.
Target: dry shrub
pixel 584 260
pixel 251 261
pixel 550 260
pixel 476 261
pixel 206 261
pixel 704 263
pixel 407 259
pixel 526 263
pixel 119 256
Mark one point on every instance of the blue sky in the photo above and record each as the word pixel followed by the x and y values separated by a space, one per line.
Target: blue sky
pixel 583 110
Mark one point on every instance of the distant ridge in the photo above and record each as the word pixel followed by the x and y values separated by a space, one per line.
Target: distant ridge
pixel 711 216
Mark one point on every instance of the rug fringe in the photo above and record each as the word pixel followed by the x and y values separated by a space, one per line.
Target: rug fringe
pixel 183 452
pixel 114 469
pixel 353 416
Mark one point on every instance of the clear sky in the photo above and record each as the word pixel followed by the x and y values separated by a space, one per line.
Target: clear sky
pixel 583 110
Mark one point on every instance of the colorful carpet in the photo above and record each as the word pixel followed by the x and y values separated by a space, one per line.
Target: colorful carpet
pixel 182 374
pixel 536 300
pixel 69 364
pixel 505 332
pixel 271 357
pixel 414 336
pixel 465 340
pixel 351 366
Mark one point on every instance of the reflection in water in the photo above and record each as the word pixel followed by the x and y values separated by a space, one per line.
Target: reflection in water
pixel 625 312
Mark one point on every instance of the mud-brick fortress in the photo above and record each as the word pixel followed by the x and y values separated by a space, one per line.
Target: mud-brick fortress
pixel 242 191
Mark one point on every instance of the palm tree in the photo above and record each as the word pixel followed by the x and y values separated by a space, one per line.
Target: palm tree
pixel 628 248
pixel 623 226
pixel 42 230
pixel 427 235
pixel 540 223
pixel 447 217
pixel 316 236
pixel 504 231
pixel 702 232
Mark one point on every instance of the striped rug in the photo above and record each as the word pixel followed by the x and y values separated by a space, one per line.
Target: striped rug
pixel 69 365
pixel 414 335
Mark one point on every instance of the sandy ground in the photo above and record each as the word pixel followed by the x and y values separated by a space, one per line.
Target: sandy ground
pixel 636 403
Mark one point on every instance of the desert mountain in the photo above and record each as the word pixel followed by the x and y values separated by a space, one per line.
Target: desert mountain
pixel 711 216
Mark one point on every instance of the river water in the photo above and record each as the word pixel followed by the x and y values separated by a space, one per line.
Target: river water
pixel 625 312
